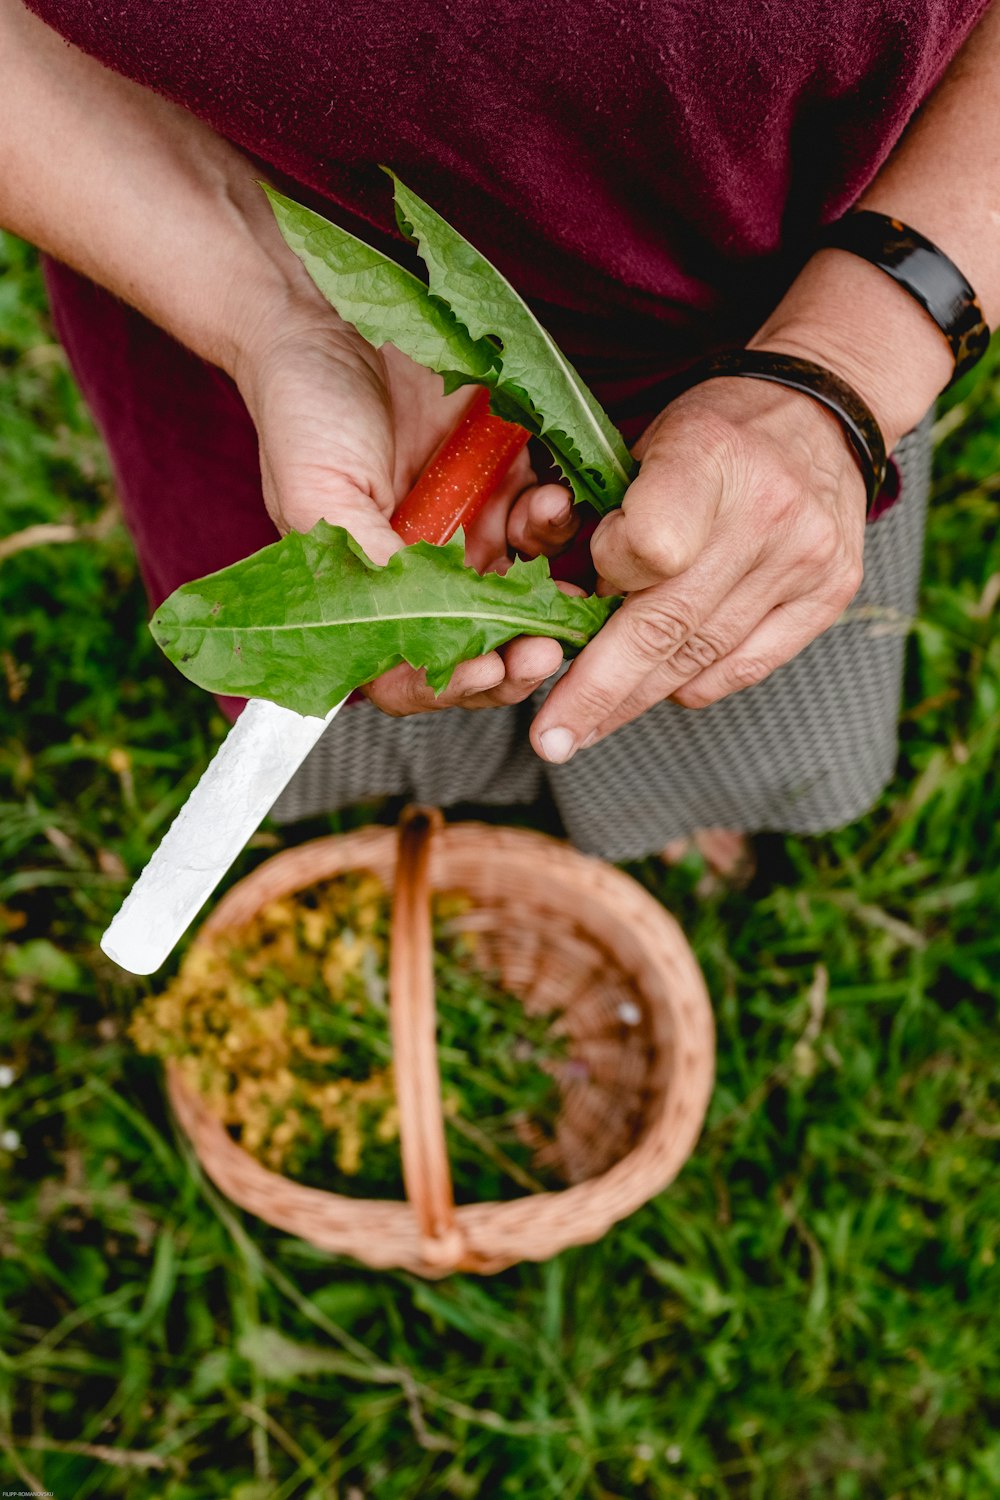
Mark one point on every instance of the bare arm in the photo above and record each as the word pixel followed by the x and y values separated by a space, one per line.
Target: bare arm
pixel 742 536
pixel 944 179
pixel 143 198
pixel 136 193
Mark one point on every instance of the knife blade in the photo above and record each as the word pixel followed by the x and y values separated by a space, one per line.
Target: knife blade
pixel 248 772
pixel 267 744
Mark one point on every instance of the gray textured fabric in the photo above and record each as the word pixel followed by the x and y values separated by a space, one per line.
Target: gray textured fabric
pixel 807 750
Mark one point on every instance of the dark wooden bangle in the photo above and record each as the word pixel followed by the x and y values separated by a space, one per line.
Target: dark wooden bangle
pixel 920 268
pixel 860 427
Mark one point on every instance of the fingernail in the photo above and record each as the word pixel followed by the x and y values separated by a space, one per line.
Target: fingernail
pixel 560 512
pixel 557 745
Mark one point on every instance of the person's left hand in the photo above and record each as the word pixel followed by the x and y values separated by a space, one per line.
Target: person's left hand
pixel 738 543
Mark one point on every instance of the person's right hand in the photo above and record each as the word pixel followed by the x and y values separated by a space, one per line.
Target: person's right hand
pixel 344 432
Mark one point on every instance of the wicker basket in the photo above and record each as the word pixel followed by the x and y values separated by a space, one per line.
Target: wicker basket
pixel 569 935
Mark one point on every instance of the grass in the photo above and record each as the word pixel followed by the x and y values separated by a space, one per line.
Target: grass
pixel 809 1312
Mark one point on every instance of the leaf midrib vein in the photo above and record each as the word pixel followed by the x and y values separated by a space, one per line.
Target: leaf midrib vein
pixel 379 619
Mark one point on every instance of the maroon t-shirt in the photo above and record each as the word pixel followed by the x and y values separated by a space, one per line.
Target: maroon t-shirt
pixel 649 173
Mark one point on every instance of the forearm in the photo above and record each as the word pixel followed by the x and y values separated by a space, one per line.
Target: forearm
pixel 137 194
pixel 944 180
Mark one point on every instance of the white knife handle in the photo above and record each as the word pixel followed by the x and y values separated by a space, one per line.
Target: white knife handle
pixel 250 769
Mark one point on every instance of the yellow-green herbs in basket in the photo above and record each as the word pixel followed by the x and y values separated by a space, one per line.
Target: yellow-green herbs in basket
pixel 283 1027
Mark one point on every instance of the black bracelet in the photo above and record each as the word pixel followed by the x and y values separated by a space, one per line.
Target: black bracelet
pixel 860 427
pixel 921 269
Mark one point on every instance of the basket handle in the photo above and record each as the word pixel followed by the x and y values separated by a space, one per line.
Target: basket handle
pixel 413 1018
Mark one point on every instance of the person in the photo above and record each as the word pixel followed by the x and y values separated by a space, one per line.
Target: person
pixel 657 181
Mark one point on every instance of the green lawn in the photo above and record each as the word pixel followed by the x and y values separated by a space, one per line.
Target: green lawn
pixel 811 1311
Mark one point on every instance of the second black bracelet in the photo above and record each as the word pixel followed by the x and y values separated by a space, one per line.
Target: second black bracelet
pixel 840 399
pixel 924 271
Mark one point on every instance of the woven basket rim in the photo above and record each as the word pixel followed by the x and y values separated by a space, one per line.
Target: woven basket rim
pixel 490 1229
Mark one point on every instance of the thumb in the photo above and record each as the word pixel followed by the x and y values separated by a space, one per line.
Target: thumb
pixel 329 482
pixel 326 437
pixel 342 503
pixel 666 516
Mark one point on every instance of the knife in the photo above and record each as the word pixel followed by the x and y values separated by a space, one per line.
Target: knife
pixel 267 744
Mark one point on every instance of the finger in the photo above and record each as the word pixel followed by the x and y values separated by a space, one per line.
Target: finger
pixel 780 636
pixel 542 521
pixel 334 498
pixel 759 595
pixel 721 634
pixel 528 660
pixel 659 639
pixel 644 636
pixel 402 691
pixel 812 593
pixel 665 519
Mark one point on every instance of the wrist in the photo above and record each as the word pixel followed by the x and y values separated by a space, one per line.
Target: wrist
pixel 262 317
pixel 267 293
pixel 851 317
